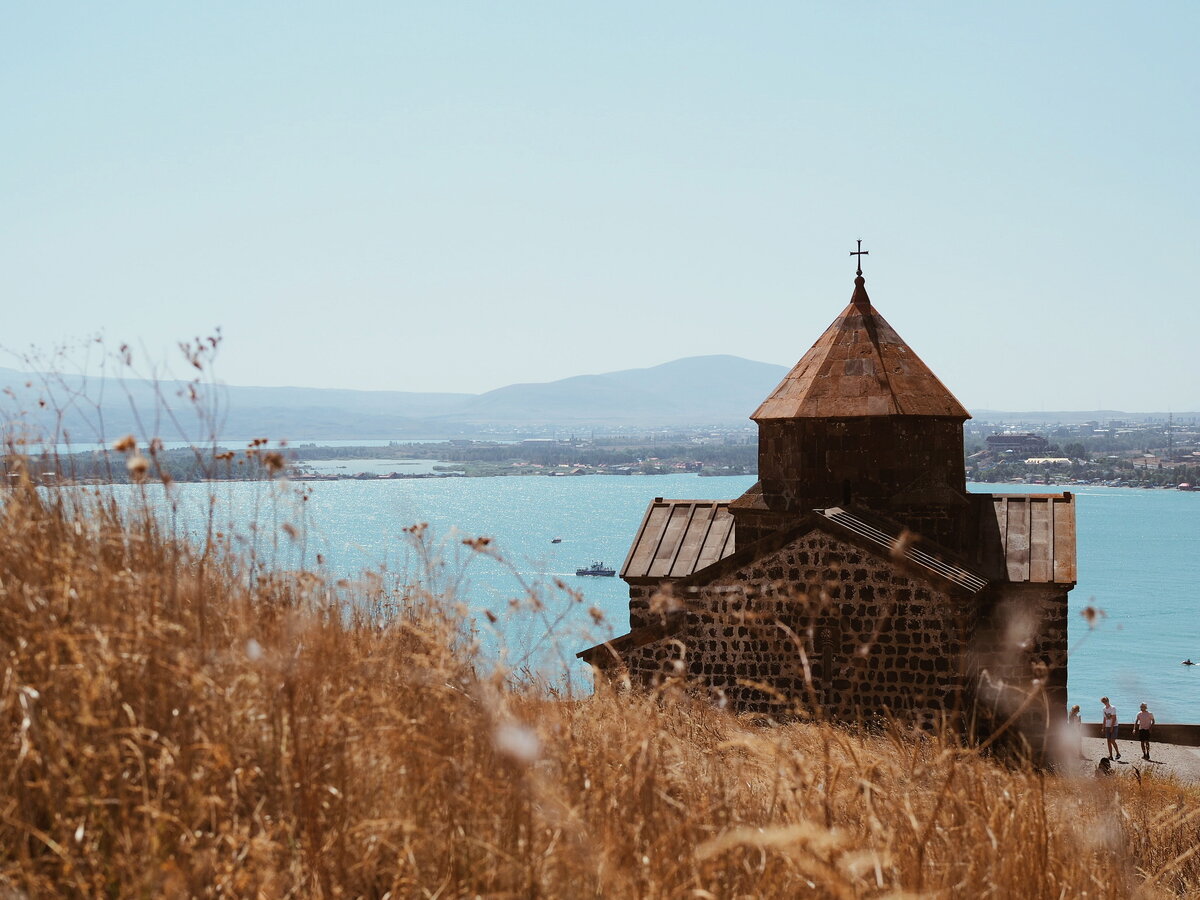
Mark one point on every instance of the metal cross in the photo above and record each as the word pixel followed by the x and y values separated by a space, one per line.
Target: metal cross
pixel 860 253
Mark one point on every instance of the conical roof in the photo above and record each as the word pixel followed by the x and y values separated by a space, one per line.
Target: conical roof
pixel 859 367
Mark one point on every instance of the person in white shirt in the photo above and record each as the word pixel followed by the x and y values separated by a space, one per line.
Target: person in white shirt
pixel 1143 722
pixel 1110 729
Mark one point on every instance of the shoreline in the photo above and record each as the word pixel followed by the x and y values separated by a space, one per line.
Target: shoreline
pixel 306 478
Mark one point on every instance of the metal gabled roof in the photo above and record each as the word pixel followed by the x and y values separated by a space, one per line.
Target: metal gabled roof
pixel 1036 534
pixel 679 537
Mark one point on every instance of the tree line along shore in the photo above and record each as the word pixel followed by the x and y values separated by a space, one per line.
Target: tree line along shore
pixel 1132 457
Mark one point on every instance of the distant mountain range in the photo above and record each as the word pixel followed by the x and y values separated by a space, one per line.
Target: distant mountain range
pixel 703 390
pixel 718 391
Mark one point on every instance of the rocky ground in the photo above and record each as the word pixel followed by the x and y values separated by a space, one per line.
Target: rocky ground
pixel 1165 759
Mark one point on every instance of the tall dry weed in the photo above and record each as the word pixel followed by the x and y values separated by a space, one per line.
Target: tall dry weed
pixel 177 723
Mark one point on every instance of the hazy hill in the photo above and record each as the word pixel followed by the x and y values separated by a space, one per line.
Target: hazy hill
pixel 92 409
pixel 698 390
pixel 1075 417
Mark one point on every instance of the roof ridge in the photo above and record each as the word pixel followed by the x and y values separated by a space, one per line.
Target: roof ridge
pixel 897 545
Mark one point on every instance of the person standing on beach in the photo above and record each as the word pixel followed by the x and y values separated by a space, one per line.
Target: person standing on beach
pixel 1143 722
pixel 1075 724
pixel 1110 728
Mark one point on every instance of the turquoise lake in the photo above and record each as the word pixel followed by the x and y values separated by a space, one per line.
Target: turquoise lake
pixel 1139 563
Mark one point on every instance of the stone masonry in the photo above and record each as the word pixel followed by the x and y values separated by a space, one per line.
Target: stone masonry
pixel 819 625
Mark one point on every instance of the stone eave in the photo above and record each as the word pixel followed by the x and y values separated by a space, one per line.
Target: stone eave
pixel 648 581
pixel 608 653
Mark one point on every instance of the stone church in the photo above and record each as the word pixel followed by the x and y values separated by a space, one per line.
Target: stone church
pixel 858 578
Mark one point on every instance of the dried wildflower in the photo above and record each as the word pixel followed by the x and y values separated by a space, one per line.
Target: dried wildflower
pixel 596 614
pixel 125 444
pixel 274 462
pixel 518 743
pixel 138 466
pixel 290 530
pixel 664 602
pixel 815 839
pixel 902 544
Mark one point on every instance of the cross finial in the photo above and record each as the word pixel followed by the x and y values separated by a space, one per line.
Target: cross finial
pixel 860 253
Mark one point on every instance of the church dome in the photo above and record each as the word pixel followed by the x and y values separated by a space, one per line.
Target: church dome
pixel 859 367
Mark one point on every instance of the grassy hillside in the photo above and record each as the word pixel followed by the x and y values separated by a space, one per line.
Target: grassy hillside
pixel 177 722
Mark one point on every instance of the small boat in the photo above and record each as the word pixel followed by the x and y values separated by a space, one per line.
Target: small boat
pixel 556 541
pixel 597 568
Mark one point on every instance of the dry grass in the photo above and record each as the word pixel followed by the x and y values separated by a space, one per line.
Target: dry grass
pixel 174 726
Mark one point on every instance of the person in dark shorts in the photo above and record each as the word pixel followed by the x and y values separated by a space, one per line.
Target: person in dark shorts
pixel 1142 724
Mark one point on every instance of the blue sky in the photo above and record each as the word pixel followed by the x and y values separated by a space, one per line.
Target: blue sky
pixel 459 196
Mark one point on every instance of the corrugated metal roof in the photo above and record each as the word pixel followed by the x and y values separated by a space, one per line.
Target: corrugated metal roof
pixel 679 537
pixel 1037 533
pixel 859 367
pixel 1033 533
pixel 950 571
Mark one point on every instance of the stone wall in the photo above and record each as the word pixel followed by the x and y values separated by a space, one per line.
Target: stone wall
pixel 639 605
pixel 1017 658
pixel 811 463
pixel 820 624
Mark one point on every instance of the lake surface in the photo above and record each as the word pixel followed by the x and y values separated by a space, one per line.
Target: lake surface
pixel 1139 563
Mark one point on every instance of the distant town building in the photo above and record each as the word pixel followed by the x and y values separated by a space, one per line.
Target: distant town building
pixel 858 579
pixel 1018 443
pixel 1148 461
